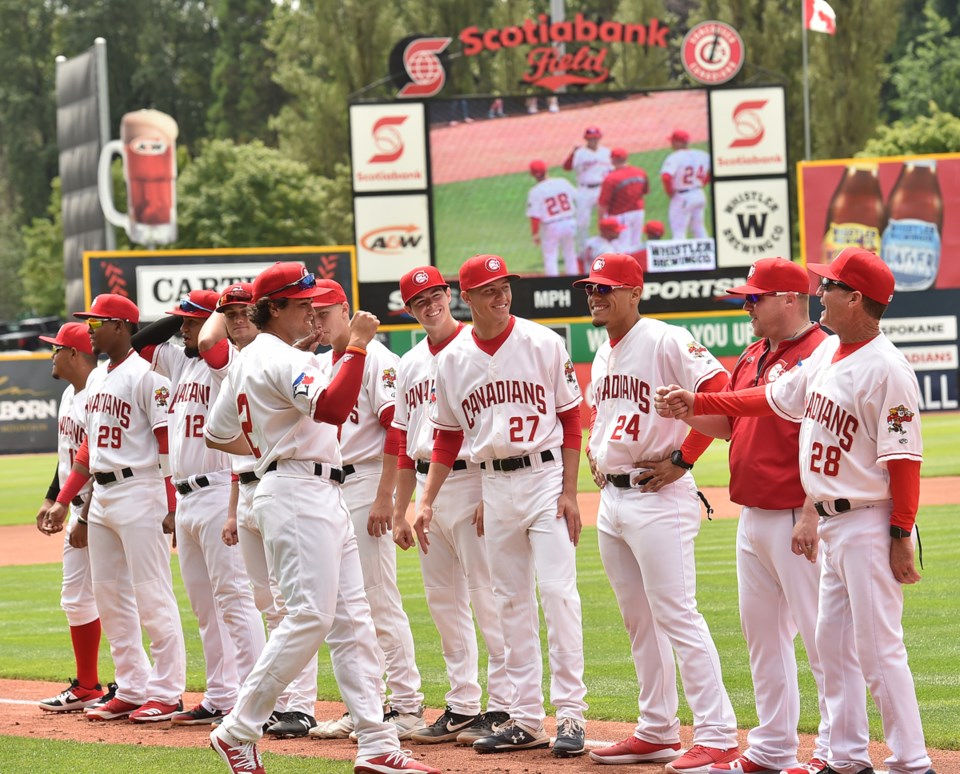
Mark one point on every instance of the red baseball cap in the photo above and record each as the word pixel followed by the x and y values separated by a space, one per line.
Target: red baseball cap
pixel 538 167
pixel 287 279
pixel 332 293
pixel 592 131
pixel 653 228
pixel 197 303
pixel 680 135
pixel 237 293
pixel 482 270
pixel 617 269
pixel 774 275
pixel 71 334
pixel 861 270
pixel 611 224
pixel 111 306
pixel 418 280
pixel 619 154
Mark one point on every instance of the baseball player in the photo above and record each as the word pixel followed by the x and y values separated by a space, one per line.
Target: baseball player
pixel 276 403
pixel 551 209
pixel 224 333
pixel 73 361
pixel 778 592
pixel 214 577
pixel 684 174
pixel 856 400
pixel 590 163
pixel 608 241
pixel 652 230
pixel 369 447
pixel 126 451
pixel 509 393
pixel 621 197
pixel 648 519
pixel 456 574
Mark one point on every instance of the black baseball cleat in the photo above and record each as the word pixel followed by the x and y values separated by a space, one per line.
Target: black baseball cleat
pixel 292 725
pixel 570 738
pixel 512 736
pixel 487 723
pixel 446 728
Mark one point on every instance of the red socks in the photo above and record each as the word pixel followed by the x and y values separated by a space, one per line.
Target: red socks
pixel 86 651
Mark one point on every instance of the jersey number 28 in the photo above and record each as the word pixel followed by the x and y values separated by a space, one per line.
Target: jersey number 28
pixel 825 459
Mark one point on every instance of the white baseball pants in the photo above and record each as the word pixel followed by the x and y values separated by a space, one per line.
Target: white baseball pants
pixel 76 591
pixel 556 237
pixel 455 575
pixel 631 239
pixel 587 198
pixel 686 213
pixel 647 548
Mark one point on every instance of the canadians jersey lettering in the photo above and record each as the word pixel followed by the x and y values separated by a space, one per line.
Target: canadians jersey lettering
pixel 269 397
pixel 591 166
pixel 194 390
pixel 688 168
pixel 362 435
pixel 125 404
pixel 416 376
pixel 855 415
pixel 506 403
pixel 551 200
pixel 70 434
pixel 623 380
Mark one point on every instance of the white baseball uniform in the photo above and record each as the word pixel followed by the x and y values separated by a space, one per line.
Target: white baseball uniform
pixel 597 246
pixel 552 202
pixel 216 582
pixel 456 573
pixel 269 397
pixel 689 170
pixel 361 446
pixel 856 413
pixel 647 538
pixel 125 404
pixel 506 403
pixel 590 167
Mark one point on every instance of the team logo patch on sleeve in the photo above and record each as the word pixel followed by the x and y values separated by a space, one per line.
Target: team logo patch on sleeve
pixel 161 395
pixel 897 417
pixel 697 350
pixel 301 385
pixel 389 378
pixel 569 372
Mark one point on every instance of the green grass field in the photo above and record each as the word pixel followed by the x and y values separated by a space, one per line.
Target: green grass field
pixel 488 215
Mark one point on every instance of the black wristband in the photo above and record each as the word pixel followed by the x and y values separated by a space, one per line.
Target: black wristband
pixel 81 520
pixel 899 532
pixel 677 459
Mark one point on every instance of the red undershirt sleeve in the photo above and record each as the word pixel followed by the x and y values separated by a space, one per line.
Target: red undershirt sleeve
pixel 403 461
pixel 335 402
pixel 218 355
pixel 905 488
pixel 696 443
pixel 534 226
pixel 751 402
pixel 667 184
pixel 572 429
pixel 163 447
pixel 446 446
pixel 391 444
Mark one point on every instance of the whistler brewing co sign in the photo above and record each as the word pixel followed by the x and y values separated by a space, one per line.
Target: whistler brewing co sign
pixel 583 60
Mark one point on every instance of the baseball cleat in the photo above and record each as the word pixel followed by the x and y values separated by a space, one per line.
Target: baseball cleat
pixel 633 750
pixel 741 765
pixel 571 737
pixel 485 725
pixel 156 712
pixel 512 736
pixel 198 716
pixel 388 763
pixel 815 766
pixel 341 728
pixel 446 728
pixel 699 758
pixel 240 757
pixel 111 710
pixel 73 699
pixel 108 696
pixel 292 725
pixel 407 723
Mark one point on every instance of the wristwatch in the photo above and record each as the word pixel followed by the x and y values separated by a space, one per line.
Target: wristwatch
pixel 899 532
pixel 677 459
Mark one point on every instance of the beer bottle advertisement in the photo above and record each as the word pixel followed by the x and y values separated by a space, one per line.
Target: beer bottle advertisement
pixel 856 215
pixel 911 242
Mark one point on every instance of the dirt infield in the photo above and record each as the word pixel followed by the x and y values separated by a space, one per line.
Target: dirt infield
pixel 25 719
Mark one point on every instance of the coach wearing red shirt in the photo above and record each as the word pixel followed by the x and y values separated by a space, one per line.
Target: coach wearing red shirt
pixel 621 197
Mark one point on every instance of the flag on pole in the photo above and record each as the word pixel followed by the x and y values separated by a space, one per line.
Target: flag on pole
pixel 818 16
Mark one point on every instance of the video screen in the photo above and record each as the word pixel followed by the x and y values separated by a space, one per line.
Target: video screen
pixel 482 151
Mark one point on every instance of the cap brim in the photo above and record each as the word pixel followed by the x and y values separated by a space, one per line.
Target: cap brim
pixel 89 316
pixel 221 307
pixel 298 294
pixel 51 340
pixel 196 315
pixel 822 270
pixel 493 279
pixel 598 279
pixel 742 290
pixel 424 289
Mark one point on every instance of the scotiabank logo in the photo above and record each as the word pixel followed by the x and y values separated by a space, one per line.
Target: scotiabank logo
pixel 387 139
pixel 748 123
pixel 421 60
pixel 392 240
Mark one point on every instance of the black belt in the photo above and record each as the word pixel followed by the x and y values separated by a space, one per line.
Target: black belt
pixel 336 474
pixel 591 185
pixel 110 478
pixel 839 506
pixel 517 463
pixel 184 487
pixel 685 190
pixel 77 501
pixel 424 467
pixel 248 477
pixel 622 480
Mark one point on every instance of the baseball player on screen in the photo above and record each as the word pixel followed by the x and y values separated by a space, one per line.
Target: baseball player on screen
pixel 857 402
pixel 648 519
pixel 456 574
pixel 508 394
pixel 621 197
pixel 552 211
pixel 590 163
pixel 607 241
pixel 126 452
pixel 684 174
pixel 73 362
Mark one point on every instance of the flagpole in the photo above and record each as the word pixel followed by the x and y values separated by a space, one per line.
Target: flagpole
pixel 806 84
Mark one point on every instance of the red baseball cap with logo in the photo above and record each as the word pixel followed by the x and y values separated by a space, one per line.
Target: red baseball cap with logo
pixel 418 280
pixel 237 293
pixel 71 334
pixel 615 269
pixel 482 270
pixel 287 279
pixel 619 154
pixel 197 303
pixel 611 224
pixel 333 293
pixel 774 275
pixel 861 270
pixel 111 306
pixel 592 132
pixel 680 135
pixel 538 168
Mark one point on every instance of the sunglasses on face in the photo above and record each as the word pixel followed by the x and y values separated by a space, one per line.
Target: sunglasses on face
pixel 754 297
pixel 186 305
pixel 306 282
pixel 601 290
pixel 95 323
pixel 58 348
pixel 826 283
